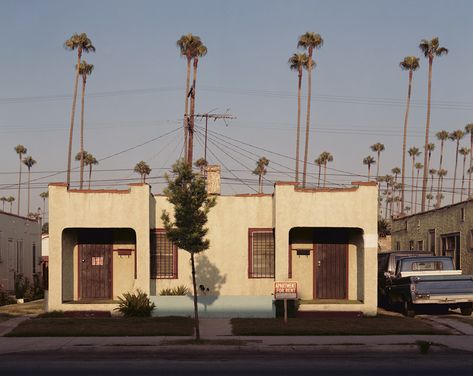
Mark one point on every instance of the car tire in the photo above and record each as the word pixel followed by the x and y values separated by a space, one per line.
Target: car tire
pixel 466 310
pixel 408 309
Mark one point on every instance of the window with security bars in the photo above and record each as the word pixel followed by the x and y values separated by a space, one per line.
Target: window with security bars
pixel 261 253
pixel 163 254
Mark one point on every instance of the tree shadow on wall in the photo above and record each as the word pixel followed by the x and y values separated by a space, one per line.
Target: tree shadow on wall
pixel 209 281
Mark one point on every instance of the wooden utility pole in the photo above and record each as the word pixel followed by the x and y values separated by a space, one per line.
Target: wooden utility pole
pixel 208 116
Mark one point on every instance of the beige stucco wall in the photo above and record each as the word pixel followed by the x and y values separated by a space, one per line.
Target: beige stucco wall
pixel 71 209
pixel 446 220
pixel 14 230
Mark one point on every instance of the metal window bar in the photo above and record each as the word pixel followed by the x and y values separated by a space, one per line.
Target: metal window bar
pixel 262 255
pixel 163 258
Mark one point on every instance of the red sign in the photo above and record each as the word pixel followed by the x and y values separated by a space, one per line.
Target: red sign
pixel 285 290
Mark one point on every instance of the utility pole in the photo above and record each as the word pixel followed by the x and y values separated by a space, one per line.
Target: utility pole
pixel 215 117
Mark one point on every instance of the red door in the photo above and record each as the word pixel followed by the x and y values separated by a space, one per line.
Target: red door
pixel 95 271
pixel 331 270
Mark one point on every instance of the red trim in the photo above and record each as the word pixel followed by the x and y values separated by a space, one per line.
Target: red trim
pixel 289 267
pixel 314 267
pixel 251 230
pixel 18 216
pixel 175 271
pixel 57 185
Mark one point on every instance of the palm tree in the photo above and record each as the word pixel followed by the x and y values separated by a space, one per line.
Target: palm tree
pixel 418 167
pixel 456 136
pixel 44 196
pixel 463 151
pixel 430 149
pixel 20 150
pixel 81 43
pixel 442 136
pixel 396 171
pixel 432 172
pixel 199 51
pixel 430 49
pixel 297 62
pixel 3 199
pixel 469 129
pixel 260 170
pixel 10 200
pixel 201 163
pixel 186 44
pixel 143 169
pixel 429 198
pixel 90 161
pixel 413 152
pixel 441 173
pixel 368 161
pixel 85 70
pixel 29 162
pixel 308 41
pixel 411 64
pixel 326 157
pixel 377 148
pixel 319 162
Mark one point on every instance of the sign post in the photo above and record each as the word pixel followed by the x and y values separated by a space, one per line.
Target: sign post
pixel 284 290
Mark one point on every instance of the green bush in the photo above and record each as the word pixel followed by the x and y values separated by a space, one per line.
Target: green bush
pixel 52 314
pixel 34 291
pixel 178 290
pixel 22 284
pixel 135 304
pixel 6 298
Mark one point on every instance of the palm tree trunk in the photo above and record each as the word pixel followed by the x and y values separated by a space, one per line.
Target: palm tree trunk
pixel 325 173
pixel 377 166
pixel 426 145
pixel 406 117
pixel 415 199
pixel 318 181
pixel 82 134
pixel 19 186
pixel 369 171
pixel 186 115
pixel 471 161
pixel 299 90
pixel 29 170
pixel 260 185
pixel 90 173
pixel 455 172
pixel 196 310
pixel 463 178
pixel 11 204
pixel 309 94
pixel 71 129
pixel 439 185
pixel 431 187
pixel 412 185
pixel 386 206
pixel 191 120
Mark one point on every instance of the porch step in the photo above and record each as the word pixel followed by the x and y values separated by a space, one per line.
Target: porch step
pixel 329 314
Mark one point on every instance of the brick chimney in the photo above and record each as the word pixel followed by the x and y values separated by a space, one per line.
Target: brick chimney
pixel 213 179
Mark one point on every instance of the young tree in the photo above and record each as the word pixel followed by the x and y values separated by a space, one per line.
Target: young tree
pixel 187 193
pixel 430 49
pixel 29 162
pixel 368 161
pixel 298 62
pixel 81 43
pixel 411 64
pixel 20 150
pixel 308 41
pixel 143 169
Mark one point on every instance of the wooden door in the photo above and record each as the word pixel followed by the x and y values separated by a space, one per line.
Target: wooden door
pixel 95 271
pixel 330 271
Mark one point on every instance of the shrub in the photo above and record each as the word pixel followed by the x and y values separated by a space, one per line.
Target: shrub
pixel 6 298
pixel 178 290
pixel 21 285
pixel 135 304
pixel 34 291
pixel 52 314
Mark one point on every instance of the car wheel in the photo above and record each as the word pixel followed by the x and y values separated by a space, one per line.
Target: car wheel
pixel 466 310
pixel 408 309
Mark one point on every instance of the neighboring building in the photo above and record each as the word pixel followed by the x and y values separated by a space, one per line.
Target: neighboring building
pixel 447 231
pixel 104 243
pixel 20 248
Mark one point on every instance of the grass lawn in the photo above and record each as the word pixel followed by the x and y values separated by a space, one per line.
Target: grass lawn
pixel 104 327
pixel 380 325
pixel 35 307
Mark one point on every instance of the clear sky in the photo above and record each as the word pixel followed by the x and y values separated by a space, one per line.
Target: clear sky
pixel 137 87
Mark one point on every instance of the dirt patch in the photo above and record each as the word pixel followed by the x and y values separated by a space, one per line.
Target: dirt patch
pixel 35 307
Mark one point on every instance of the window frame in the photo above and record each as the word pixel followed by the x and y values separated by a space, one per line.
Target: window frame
pixel 153 253
pixel 251 272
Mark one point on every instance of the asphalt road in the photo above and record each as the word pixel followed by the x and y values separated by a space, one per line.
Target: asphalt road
pixel 380 363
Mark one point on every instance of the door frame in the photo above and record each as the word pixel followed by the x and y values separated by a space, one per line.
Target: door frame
pixel 79 274
pixel 314 267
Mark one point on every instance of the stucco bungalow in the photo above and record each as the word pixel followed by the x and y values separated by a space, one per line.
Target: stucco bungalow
pixel 104 243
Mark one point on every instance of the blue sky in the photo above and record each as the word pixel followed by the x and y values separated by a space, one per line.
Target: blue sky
pixel 138 82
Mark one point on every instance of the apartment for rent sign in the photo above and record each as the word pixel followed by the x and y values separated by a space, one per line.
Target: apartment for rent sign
pixel 285 290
